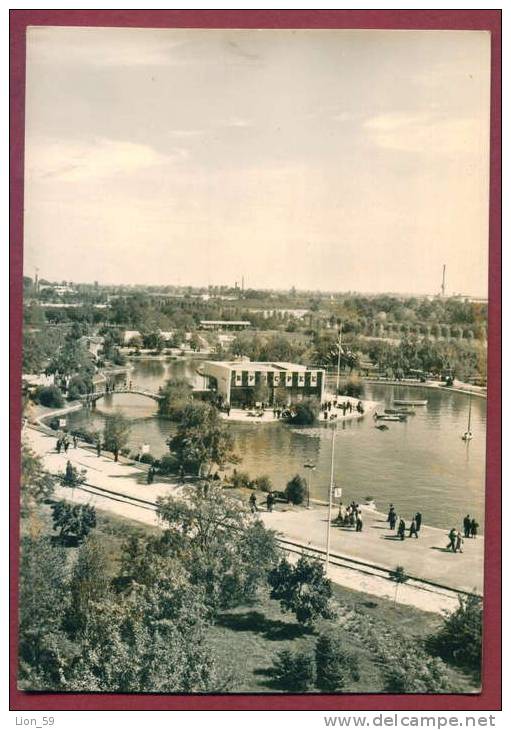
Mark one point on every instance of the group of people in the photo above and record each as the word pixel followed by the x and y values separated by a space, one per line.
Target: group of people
pixel 470 526
pixel 346 407
pixel 270 501
pixel 63 442
pixel 350 516
pixel 395 520
pixel 456 539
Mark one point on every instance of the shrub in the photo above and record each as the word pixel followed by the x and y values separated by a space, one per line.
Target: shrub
pixel 168 464
pixel 306 412
pixel 302 588
pixel 460 638
pixel 294 671
pixel 413 672
pixel 241 479
pixel 77 387
pixel 50 396
pixel 263 483
pixel 296 490
pixel 352 387
pixel 147 459
pixel 335 665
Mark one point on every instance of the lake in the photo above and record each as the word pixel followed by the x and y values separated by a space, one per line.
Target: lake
pixel 419 465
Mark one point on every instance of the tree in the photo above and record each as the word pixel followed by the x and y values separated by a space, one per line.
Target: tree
pixel 89 585
pixel 43 600
pixel 399 576
pixel 36 484
pixel 460 638
pixel 225 549
pixel 202 440
pixel 302 589
pixel 306 412
pixel 294 671
pixel 50 396
pixel 75 521
pixel 116 433
pixel 78 386
pixel 296 489
pixel 335 665
pixel 175 396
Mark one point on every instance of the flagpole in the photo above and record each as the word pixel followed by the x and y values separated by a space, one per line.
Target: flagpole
pixel 332 456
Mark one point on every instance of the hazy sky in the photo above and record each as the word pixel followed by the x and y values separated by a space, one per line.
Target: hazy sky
pixel 341 160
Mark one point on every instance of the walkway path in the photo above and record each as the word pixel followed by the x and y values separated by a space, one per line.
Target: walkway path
pixel 122 489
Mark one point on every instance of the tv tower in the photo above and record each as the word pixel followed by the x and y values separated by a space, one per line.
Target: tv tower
pixel 443 282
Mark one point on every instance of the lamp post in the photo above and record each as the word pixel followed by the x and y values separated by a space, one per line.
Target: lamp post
pixel 332 455
pixel 311 468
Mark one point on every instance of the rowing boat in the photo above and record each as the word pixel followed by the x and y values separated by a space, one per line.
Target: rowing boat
pixel 410 402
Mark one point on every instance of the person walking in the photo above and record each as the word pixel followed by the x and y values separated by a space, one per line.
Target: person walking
pixel 459 543
pixel 98 449
pixel 359 524
pixel 452 540
pixel 253 503
pixel 473 528
pixel 401 530
pixel 392 520
pixel 59 445
pixel 150 475
pixel 466 525
pixel 66 445
pixel 75 441
pixel 392 511
pixel 270 499
pixel 418 521
pixel 413 529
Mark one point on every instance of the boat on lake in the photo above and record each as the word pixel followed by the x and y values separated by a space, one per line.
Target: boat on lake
pixel 389 417
pixel 400 411
pixel 411 402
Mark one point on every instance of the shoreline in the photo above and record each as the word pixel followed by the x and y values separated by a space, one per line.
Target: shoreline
pixel 432 385
pixel 120 487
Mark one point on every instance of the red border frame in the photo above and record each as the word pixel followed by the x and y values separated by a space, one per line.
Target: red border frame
pixel 490 20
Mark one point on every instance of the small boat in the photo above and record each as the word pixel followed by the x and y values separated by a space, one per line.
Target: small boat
pixel 411 402
pixel 382 427
pixel 385 417
pixel 400 411
pixel 467 436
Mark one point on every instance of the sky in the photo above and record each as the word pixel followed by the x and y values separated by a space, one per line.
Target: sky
pixel 325 160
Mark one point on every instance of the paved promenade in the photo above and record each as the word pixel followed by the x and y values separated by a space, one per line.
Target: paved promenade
pixel 117 484
pixel 426 557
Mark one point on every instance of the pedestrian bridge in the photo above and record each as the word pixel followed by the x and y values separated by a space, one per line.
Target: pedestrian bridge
pixel 96 395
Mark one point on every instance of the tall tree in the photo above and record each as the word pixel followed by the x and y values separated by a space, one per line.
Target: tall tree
pixel 202 441
pixel 175 396
pixel 116 433
pixel 226 551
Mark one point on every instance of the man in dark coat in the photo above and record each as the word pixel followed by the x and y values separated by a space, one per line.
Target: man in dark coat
pixel 418 521
pixel 473 528
pixel 452 540
pixel 401 530
pixel 413 529
pixel 392 520
pixel 466 525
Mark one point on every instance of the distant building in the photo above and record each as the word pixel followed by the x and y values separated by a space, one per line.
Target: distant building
pixel 92 344
pixel 245 383
pixel 131 335
pixel 219 324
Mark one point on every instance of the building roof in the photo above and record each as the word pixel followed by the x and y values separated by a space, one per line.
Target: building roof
pixel 261 366
pixel 225 321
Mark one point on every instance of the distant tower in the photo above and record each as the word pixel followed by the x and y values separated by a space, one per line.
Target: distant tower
pixel 443 282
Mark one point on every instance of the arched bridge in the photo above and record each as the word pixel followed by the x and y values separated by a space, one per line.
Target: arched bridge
pixel 97 394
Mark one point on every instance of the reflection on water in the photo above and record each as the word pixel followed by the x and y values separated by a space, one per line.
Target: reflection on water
pixel 419 465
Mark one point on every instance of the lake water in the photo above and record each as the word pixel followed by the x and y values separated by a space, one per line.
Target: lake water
pixel 419 465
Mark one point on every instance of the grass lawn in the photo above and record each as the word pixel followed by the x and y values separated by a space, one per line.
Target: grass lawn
pixel 245 640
